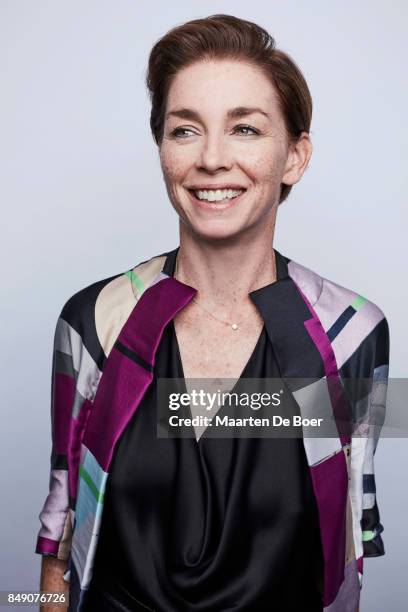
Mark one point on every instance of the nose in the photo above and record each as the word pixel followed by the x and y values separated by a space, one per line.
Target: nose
pixel 214 154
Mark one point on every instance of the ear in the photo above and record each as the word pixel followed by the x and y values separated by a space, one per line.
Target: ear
pixel 298 159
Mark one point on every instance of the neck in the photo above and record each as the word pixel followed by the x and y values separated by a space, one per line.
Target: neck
pixel 225 272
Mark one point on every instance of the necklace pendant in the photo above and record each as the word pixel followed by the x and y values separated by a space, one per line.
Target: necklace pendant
pixel 234 326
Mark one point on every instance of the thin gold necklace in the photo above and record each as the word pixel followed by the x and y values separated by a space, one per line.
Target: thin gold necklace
pixel 234 326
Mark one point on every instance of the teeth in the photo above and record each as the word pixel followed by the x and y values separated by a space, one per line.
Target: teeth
pixel 218 194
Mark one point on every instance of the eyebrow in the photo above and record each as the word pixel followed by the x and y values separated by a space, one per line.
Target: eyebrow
pixel 234 113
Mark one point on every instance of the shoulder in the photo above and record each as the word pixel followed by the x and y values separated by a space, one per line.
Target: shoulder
pixel 329 297
pixel 350 319
pixel 96 313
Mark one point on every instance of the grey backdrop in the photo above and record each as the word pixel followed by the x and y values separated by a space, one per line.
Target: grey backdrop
pixel 82 199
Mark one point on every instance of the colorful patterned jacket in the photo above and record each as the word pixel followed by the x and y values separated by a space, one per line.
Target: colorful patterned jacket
pixel 104 353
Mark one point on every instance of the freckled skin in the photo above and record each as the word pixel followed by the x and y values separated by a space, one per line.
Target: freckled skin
pixel 212 152
pixel 225 253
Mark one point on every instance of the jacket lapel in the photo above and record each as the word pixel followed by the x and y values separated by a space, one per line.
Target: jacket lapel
pixel 127 374
pixel 128 370
pixel 308 368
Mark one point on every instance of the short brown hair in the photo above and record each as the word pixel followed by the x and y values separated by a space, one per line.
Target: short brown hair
pixel 228 37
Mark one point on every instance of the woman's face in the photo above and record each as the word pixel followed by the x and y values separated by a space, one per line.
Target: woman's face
pixel 225 152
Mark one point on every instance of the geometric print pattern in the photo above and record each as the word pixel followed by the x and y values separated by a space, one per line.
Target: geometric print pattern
pixel 104 325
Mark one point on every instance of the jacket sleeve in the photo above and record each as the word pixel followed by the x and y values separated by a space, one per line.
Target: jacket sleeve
pixel 370 523
pixel 54 537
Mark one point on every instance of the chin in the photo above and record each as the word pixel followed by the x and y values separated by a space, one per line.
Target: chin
pixel 217 231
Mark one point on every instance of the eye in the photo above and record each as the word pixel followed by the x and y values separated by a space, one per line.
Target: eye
pixel 180 132
pixel 246 130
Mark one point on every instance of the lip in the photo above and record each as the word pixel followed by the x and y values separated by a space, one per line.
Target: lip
pixel 207 187
pixel 205 205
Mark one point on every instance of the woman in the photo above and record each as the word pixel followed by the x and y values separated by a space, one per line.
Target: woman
pixel 237 523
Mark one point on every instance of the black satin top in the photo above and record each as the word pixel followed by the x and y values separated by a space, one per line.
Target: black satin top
pixel 217 525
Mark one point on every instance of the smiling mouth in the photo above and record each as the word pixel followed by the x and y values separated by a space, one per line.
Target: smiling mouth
pixel 216 196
